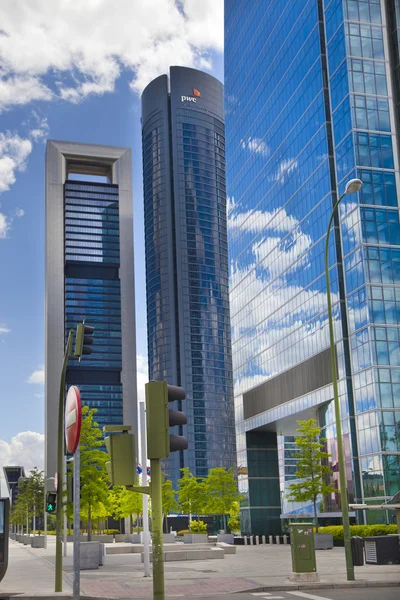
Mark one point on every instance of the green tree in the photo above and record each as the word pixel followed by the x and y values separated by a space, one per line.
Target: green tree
pixel 234 516
pixel 132 504
pixel 192 492
pixel 222 492
pixel 115 499
pixel 94 486
pixel 169 503
pixel 35 491
pixel 310 468
pixel 24 505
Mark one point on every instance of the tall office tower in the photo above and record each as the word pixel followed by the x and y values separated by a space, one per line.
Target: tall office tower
pixel 89 273
pixel 188 324
pixel 311 101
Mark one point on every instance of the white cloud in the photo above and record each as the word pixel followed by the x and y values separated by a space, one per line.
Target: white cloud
pixel 19 90
pixel 256 145
pixel 26 449
pixel 4 329
pixel 254 221
pixel 41 131
pixel 14 151
pixel 37 377
pixel 19 212
pixel 71 50
pixel 286 166
pixel 4 226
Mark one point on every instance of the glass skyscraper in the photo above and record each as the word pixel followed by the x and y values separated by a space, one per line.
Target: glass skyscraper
pixel 312 100
pixel 89 274
pixel 189 340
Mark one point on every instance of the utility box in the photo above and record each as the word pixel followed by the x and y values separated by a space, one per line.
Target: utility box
pixel 302 547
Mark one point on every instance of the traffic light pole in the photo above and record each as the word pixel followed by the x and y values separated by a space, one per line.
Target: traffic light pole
pixel 60 469
pixel 156 513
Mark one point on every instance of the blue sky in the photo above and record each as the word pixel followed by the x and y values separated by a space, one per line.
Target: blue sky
pixel 81 92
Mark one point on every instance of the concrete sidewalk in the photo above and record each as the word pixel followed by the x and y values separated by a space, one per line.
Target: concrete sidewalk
pixel 255 568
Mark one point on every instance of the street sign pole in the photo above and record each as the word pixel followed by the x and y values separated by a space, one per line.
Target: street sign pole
pixel 73 422
pixel 146 535
pixel 77 520
pixel 65 509
pixel 156 513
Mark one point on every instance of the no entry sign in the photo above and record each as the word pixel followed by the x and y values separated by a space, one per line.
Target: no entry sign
pixel 73 418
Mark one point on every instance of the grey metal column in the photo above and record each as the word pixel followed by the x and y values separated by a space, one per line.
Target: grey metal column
pixel 77 523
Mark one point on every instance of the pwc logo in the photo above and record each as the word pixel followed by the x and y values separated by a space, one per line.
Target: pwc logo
pixel 193 97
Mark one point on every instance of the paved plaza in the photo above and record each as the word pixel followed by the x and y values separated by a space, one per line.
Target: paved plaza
pixel 253 568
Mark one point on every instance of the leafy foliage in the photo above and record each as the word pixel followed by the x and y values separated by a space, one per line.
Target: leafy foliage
pixel 310 468
pixel 222 492
pixel 30 500
pixel 169 503
pixel 234 517
pixel 94 486
pixel 198 527
pixel 192 493
pixel 360 530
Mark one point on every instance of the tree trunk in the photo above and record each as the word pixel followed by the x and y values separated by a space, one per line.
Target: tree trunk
pixel 315 514
pixel 166 523
pixel 89 524
pixel 34 520
pixel 224 523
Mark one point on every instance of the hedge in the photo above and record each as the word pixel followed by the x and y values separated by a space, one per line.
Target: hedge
pixel 359 530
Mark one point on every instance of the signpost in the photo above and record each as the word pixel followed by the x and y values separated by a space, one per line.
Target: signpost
pixel 73 423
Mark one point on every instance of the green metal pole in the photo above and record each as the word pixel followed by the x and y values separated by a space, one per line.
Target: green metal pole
pixel 342 473
pixel 60 446
pixel 156 513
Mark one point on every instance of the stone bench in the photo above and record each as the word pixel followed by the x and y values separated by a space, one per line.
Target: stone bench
pixel 227 548
pixel 92 555
pixel 197 554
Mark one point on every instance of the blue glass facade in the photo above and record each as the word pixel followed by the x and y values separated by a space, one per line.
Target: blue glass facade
pixel 311 102
pixel 187 260
pixel 93 291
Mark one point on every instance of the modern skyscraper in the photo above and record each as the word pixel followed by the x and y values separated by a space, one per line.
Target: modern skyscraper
pixel 311 92
pixel 189 341
pixel 89 273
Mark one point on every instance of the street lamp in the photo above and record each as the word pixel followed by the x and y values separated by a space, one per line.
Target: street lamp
pixel 352 186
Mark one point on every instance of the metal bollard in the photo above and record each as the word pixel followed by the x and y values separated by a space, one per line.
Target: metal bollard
pixel 278 539
pixel 251 540
pixel 263 539
pixel 285 540
pixel 245 540
pixel 271 539
pixel 257 540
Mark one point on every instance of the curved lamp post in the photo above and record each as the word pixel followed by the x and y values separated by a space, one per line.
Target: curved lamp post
pixel 352 186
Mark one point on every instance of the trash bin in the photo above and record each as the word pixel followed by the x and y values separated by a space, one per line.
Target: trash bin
pixel 357 551
pixel 382 550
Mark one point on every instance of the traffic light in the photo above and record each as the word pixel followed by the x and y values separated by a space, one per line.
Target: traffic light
pixel 160 418
pixel 121 448
pixel 84 340
pixel 51 502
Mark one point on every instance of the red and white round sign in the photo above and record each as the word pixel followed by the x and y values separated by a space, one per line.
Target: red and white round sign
pixel 73 418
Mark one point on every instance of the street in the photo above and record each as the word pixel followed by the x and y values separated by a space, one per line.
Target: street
pixel 385 593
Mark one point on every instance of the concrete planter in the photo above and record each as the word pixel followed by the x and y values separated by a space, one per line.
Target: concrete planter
pixel 226 538
pixel 91 555
pixel 104 539
pixel 323 541
pixel 135 538
pixel 120 537
pixel 26 540
pixel 169 538
pixel 37 541
pixel 195 538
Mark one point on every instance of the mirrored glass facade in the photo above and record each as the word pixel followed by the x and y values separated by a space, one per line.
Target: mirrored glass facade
pixel 311 102
pixel 91 222
pixel 188 319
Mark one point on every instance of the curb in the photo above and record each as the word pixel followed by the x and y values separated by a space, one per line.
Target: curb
pixel 320 586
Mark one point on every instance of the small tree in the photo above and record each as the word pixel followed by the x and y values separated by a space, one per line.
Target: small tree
pixel 234 517
pixel 310 468
pixel 132 504
pixel 115 500
pixel 222 492
pixel 94 488
pixel 192 492
pixel 35 490
pixel 169 503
